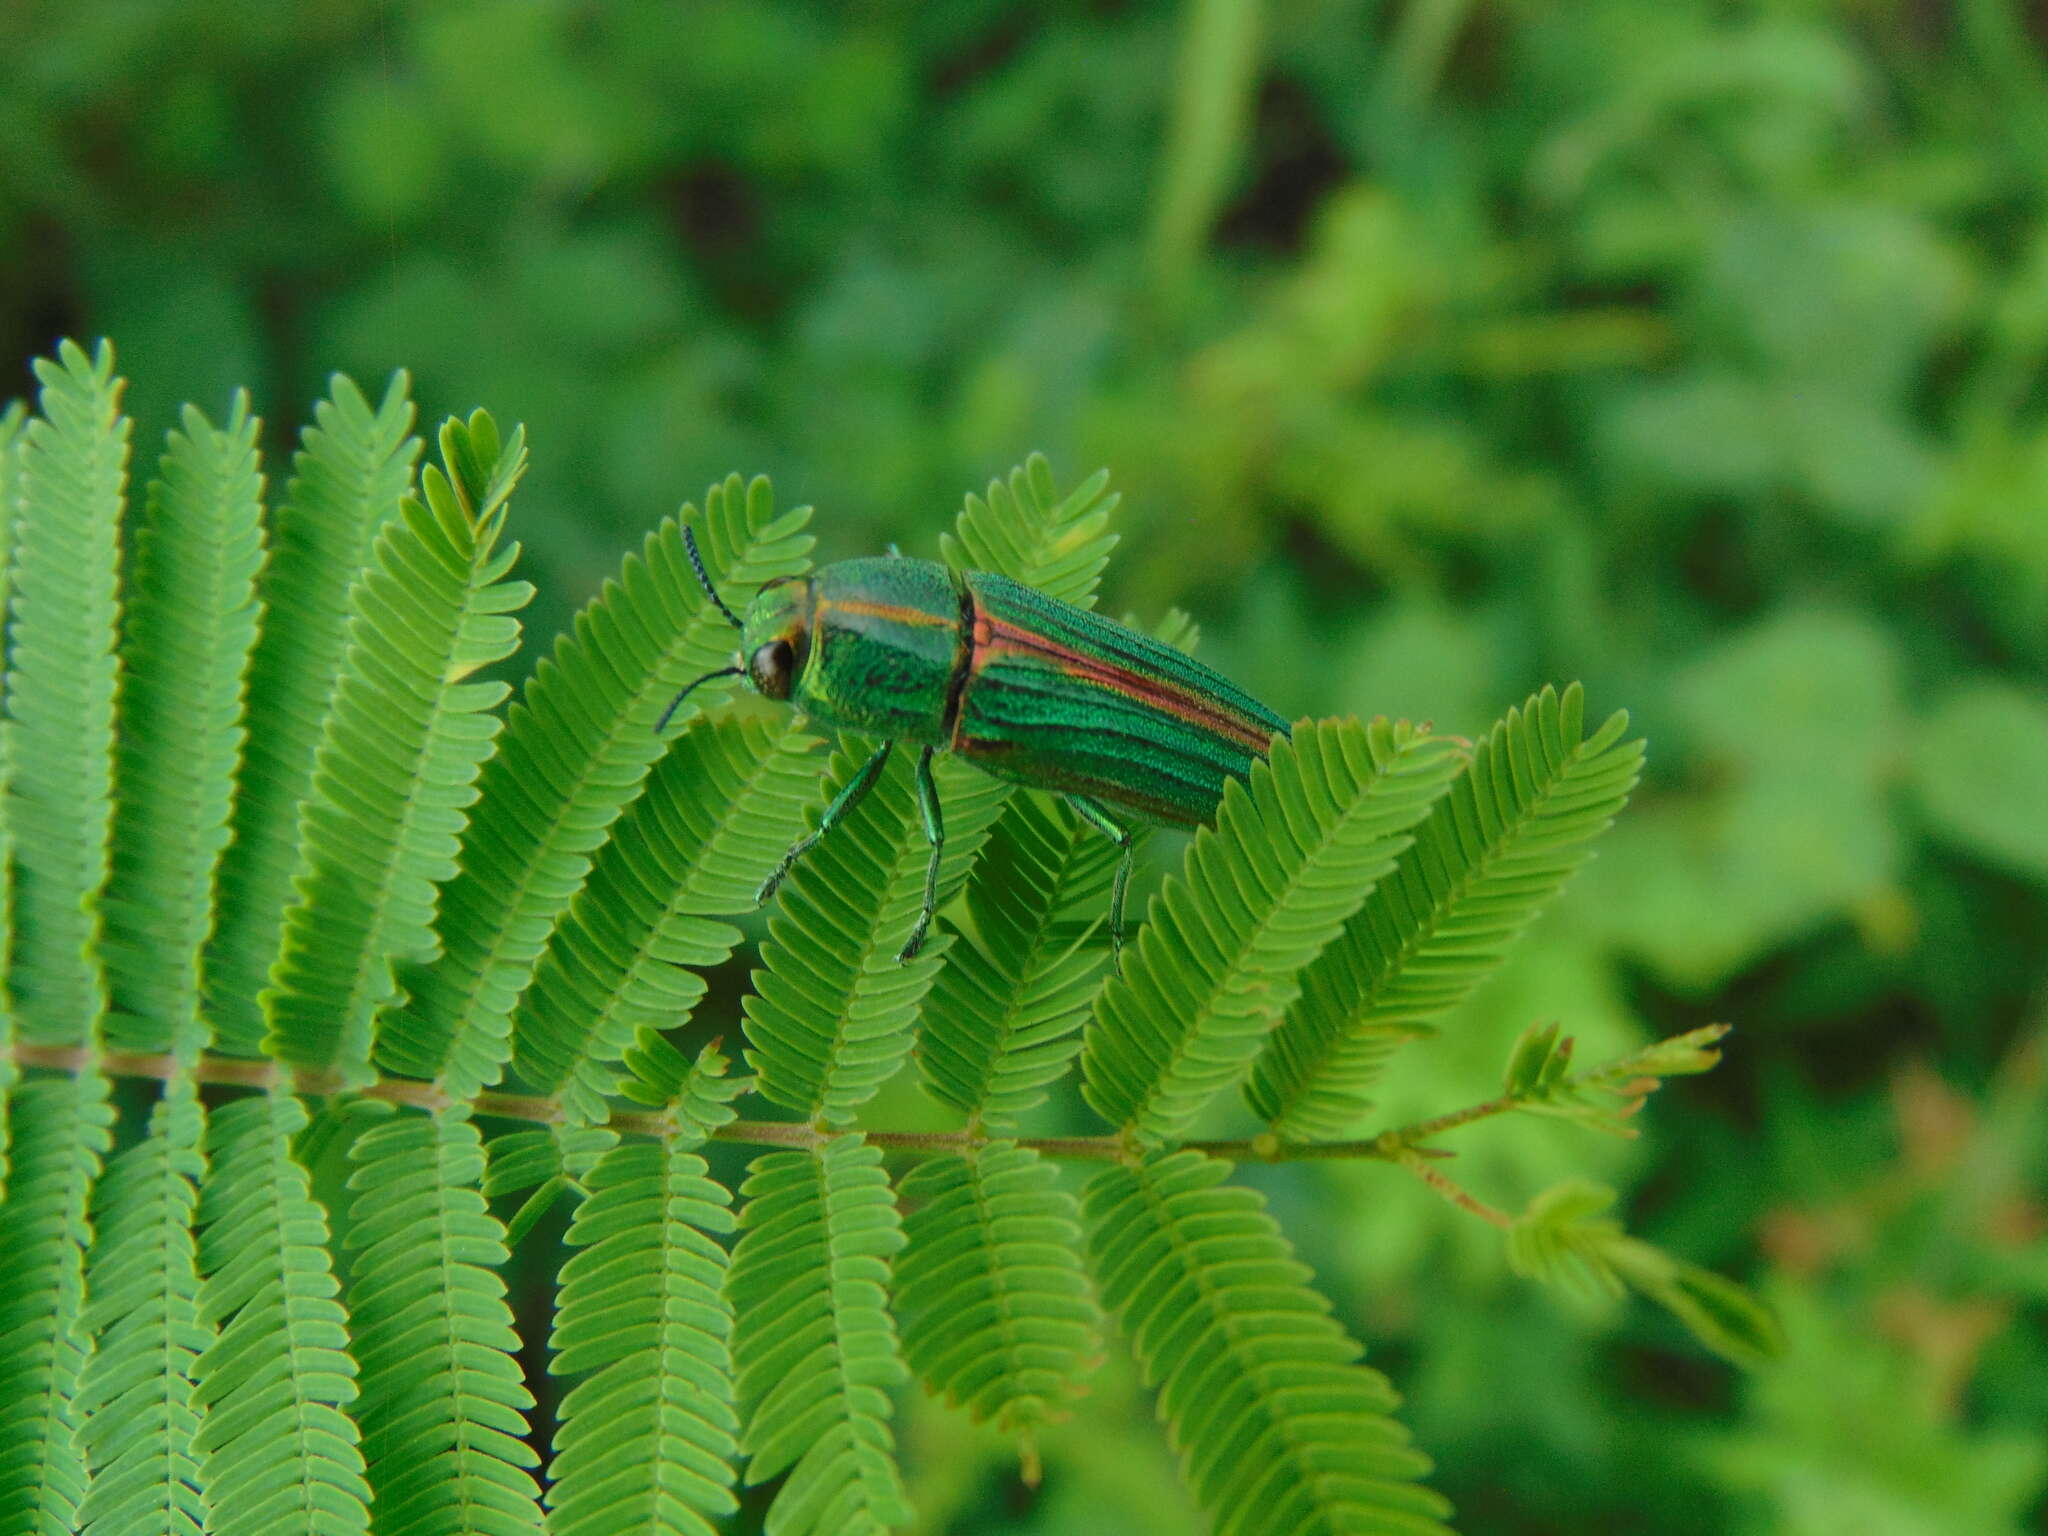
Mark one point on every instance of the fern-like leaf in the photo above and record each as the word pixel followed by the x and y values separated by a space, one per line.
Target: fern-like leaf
pixel 997 1315
pixel 697 1094
pixel 398 763
pixel 61 679
pixel 547 1162
pixel 648 1442
pixel 279 1449
pixel 13 422
pixel 717 813
pixel 1279 1430
pixel 1567 1238
pixel 828 1021
pixel 192 619
pixel 830 1017
pixel 1004 1016
pixel 353 468
pixel 1495 850
pixel 1024 529
pixel 138 1421
pixel 814 1350
pixel 443 1409
pixel 1290 858
pixel 61 1134
pixel 578 745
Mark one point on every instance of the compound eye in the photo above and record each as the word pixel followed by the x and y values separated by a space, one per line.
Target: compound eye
pixel 771 667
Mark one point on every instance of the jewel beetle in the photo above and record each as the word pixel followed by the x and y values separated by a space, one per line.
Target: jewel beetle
pixel 1022 685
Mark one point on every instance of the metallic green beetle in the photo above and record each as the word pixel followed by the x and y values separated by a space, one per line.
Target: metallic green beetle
pixel 1022 685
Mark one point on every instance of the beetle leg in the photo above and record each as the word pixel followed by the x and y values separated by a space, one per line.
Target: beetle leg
pixel 835 813
pixel 935 834
pixel 1092 812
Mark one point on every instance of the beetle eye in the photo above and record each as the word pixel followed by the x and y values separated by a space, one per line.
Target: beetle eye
pixel 770 668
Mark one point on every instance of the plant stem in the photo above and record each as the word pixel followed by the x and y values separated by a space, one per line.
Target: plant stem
pixel 1394 1146
pixel 1418 1164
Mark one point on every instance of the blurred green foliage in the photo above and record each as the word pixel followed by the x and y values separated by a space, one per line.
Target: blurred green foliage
pixel 1440 349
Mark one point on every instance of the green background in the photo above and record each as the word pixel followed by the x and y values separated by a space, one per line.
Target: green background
pixel 1440 349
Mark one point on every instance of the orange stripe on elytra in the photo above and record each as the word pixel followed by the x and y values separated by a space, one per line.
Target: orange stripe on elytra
pixel 887 611
pixel 993 636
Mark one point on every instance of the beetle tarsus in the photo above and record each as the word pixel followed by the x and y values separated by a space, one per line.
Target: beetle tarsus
pixel 1092 812
pixel 935 834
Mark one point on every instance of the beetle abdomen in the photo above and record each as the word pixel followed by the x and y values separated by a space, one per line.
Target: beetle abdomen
pixel 1060 698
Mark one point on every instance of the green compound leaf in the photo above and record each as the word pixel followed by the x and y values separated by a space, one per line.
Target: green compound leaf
pixel 1565 1238
pixel 717 813
pixel 814 1349
pixel 830 1017
pixel 192 619
pixel 1289 860
pixel 61 678
pixel 280 1451
pixel 398 763
pixel 697 1094
pixel 1515 826
pixel 578 746
pixel 648 1442
pixel 1024 529
pixel 13 422
pixel 1279 1430
pixel 137 1415
pixel 443 1409
pixel 353 469
pixel 997 1315
pixel 1004 1016
pixel 61 1134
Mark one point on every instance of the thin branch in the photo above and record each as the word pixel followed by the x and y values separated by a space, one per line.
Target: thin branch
pixel 1417 1163
pixel 1393 1146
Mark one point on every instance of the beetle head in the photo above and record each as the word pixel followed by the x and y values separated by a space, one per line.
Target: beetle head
pixel 775 637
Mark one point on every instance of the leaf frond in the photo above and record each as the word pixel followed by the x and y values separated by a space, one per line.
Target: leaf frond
pixel 697 1094
pixel 62 675
pixel 1291 857
pixel 715 817
pixel 353 468
pixel 1004 1015
pixel 280 1450
pixel 395 775
pixel 578 745
pixel 814 1349
pixel 1515 826
pixel 138 1421
pixel 61 1128
pixel 443 1405
pixel 997 1314
pixel 1279 1430
pixel 1024 529
pixel 192 619
pixel 13 423
pixel 648 1441
pixel 1566 1238
pixel 830 1014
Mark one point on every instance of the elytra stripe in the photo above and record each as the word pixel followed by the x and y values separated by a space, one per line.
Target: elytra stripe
pixel 893 612
pixel 994 636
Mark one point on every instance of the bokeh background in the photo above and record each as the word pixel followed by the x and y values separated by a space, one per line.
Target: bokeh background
pixel 1440 348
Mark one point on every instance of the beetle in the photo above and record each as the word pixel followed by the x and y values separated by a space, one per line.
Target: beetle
pixel 1022 685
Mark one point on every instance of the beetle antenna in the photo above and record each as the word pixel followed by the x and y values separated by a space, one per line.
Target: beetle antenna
pixel 704 581
pixel 676 703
